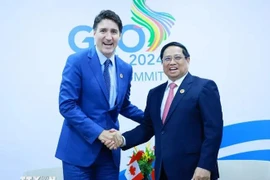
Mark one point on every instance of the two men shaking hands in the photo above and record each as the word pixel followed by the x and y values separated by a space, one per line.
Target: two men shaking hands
pixel 111 138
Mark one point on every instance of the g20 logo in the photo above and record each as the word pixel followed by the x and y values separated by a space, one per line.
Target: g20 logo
pixel 135 59
pixel 121 45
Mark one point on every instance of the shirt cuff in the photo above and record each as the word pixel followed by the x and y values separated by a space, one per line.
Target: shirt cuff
pixel 124 142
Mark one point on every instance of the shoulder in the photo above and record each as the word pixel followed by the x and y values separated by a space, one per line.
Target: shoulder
pixel 203 81
pixel 204 86
pixel 78 57
pixel 158 88
pixel 122 62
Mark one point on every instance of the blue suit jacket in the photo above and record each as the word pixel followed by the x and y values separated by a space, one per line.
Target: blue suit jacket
pixel 192 133
pixel 84 103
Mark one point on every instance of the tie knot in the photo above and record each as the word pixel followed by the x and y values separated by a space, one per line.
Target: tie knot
pixel 107 62
pixel 172 85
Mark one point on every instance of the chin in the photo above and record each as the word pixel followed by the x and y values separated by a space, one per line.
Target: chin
pixel 174 78
pixel 107 53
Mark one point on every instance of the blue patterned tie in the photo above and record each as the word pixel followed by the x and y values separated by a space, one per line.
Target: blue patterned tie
pixel 106 75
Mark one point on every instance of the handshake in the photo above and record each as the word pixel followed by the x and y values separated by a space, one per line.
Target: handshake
pixel 111 138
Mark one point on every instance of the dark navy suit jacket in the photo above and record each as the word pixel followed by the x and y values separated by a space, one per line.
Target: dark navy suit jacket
pixel 192 133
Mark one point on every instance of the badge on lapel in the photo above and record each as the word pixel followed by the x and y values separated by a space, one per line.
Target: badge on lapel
pixel 182 91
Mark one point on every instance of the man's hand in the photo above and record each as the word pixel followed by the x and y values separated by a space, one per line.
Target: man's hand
pixel 201 174
pixel 117 140
pixel 106 136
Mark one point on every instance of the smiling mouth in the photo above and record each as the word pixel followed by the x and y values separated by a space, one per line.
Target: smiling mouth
pixel 172 69
pixel 108 44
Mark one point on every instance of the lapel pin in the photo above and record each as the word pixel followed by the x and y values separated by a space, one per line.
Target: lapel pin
pixel 182 91
pixel 121 76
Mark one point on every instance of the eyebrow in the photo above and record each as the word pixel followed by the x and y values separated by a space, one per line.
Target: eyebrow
pixel 173 55
pixel 110 29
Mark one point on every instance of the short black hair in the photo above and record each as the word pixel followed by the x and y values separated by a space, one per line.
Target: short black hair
pixel 108 14
pixel 185 51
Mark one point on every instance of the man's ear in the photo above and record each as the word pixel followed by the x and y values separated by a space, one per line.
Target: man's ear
pixel 188 60
pixel 120 36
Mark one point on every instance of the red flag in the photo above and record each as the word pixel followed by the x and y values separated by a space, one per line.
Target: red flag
pixel 136 157
pixel 133 172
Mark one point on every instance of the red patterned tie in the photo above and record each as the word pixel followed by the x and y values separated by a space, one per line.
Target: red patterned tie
pixel 168 102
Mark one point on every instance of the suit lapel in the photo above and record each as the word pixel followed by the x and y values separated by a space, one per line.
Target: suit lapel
pixel 184 88
pixel 160 94
pixel 94 64
pixel 120 79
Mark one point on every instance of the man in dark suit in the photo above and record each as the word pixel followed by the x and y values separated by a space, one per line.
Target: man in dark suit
pixel 185 115
pixel 95 88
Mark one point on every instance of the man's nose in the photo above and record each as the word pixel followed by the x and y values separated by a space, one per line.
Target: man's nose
pixel 172 61
pixel 108 36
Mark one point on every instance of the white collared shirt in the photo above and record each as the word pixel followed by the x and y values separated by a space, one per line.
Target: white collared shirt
pixel 178 83
pixel 112 72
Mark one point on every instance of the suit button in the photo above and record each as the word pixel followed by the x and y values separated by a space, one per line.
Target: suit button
pixel 162 132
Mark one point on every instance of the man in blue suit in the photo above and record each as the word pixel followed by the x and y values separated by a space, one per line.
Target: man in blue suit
pixel 95 88
pixel 185 116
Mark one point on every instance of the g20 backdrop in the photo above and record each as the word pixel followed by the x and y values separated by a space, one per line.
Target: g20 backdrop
pixel 228 41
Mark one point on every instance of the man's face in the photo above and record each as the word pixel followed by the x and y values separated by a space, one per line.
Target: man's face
pixel 107 35
pixel 175 65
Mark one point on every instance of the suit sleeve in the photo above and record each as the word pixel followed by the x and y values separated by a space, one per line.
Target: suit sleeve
pixel 143 132
pixel 68 102
pixel 211 112
pixel 129 110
